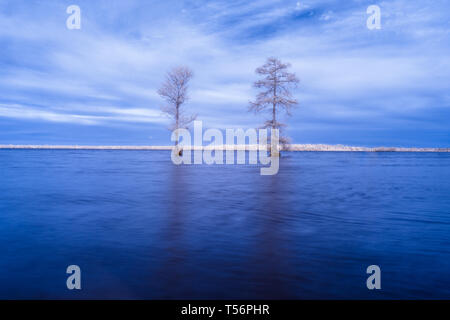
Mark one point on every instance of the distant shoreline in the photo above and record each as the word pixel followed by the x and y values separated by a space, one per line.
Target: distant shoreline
pixel 293 147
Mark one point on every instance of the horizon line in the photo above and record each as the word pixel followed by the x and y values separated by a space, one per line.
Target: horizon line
pixel 247 147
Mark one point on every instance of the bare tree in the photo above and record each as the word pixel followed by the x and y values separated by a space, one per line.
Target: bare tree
pixel 275 95
pixel 174 92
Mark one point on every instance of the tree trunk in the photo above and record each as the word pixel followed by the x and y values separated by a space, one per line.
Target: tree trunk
pixel 177 125
pixel 274 113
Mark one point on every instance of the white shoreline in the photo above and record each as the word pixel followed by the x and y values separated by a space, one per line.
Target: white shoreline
pixel 292 147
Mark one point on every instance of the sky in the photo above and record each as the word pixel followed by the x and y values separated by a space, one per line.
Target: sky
pixel 97 85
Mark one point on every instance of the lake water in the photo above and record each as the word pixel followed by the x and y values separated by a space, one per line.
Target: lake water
pixel 140 227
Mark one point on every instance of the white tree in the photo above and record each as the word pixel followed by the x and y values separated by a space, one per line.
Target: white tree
pixel 174 91
pixel 275 95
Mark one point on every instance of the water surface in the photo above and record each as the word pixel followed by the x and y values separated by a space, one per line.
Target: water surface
pixel 140 227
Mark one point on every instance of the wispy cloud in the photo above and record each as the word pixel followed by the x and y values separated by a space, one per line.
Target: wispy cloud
pixel 85 116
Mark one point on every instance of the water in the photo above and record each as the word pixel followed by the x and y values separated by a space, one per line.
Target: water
pixel 140 227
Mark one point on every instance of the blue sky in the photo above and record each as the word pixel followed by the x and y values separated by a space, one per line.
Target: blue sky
pixel 97 85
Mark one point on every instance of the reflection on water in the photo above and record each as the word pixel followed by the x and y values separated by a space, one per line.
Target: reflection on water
pixel 141 227
pixel 174 263
pixel 269 252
